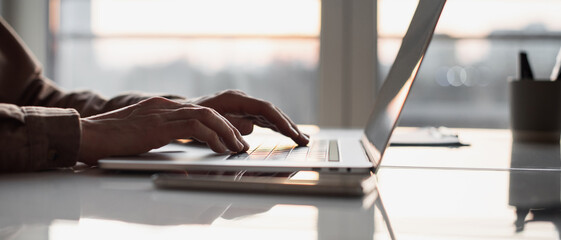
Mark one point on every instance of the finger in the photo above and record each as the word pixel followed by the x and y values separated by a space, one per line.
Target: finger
pixel 243 124
pixel 195 129
pixel 277 118
pixel 270 114
pixel 211 119
pixel 174 116
pixel 245 145
pixel 239 103
pixel 262 122
pixel 303 139
pixel 265 124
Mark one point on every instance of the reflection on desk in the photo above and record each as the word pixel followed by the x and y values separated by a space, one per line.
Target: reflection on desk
pixel 496 189
pixel 536 196
pixel 97 205
pixel 459 204
pixel 490 149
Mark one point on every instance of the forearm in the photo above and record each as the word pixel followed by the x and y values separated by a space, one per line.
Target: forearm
pixel 36 138
pixel 42 92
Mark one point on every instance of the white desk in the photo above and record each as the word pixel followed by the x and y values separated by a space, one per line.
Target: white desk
pixel 493 189
pixel 490 149
pixel 100 205
pixel 460 204
pixel 443 193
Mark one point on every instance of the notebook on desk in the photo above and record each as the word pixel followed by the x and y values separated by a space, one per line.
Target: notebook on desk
pixel 330 153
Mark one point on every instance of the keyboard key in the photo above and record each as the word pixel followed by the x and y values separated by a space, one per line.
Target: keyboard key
pixel 319 150
pixel 333 151
pixel 278 156
pixel 239 156
pixel 257 157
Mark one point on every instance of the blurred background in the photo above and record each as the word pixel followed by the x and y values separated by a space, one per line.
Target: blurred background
pixel 283 51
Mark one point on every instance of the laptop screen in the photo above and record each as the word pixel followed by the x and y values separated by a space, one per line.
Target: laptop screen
pixel 391 97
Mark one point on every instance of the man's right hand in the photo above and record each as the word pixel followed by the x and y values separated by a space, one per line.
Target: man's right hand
pixel 151 124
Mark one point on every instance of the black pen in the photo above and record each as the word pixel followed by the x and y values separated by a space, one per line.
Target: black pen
pixel 556 73
pixel 525 69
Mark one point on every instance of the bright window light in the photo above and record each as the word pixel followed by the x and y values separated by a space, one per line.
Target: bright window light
pixel 208 17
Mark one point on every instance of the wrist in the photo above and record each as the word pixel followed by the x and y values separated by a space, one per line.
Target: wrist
pixel 88 153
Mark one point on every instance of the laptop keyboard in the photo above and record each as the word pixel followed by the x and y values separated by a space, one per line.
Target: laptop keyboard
pixel 316 151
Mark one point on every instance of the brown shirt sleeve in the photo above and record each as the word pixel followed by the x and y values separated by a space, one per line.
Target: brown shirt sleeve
pixel 34 138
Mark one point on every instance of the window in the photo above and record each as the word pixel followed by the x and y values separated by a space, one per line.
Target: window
pixel 267 48
pixel 463 79
pixel 270 49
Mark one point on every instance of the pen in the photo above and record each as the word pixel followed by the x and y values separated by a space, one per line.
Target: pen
pixel 556 73
pixel 525 69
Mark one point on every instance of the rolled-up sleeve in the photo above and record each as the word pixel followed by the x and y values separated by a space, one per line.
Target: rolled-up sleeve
pixel 36 138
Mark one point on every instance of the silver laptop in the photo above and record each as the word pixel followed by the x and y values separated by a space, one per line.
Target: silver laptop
pixel 330 152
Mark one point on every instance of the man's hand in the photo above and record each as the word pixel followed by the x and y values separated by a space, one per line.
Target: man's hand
pixel 244 111
pixel 153 123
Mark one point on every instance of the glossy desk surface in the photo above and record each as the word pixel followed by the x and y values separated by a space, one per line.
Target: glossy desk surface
pixel 424 193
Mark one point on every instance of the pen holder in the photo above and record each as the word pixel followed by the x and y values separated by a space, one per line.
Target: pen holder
pixel 535 110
